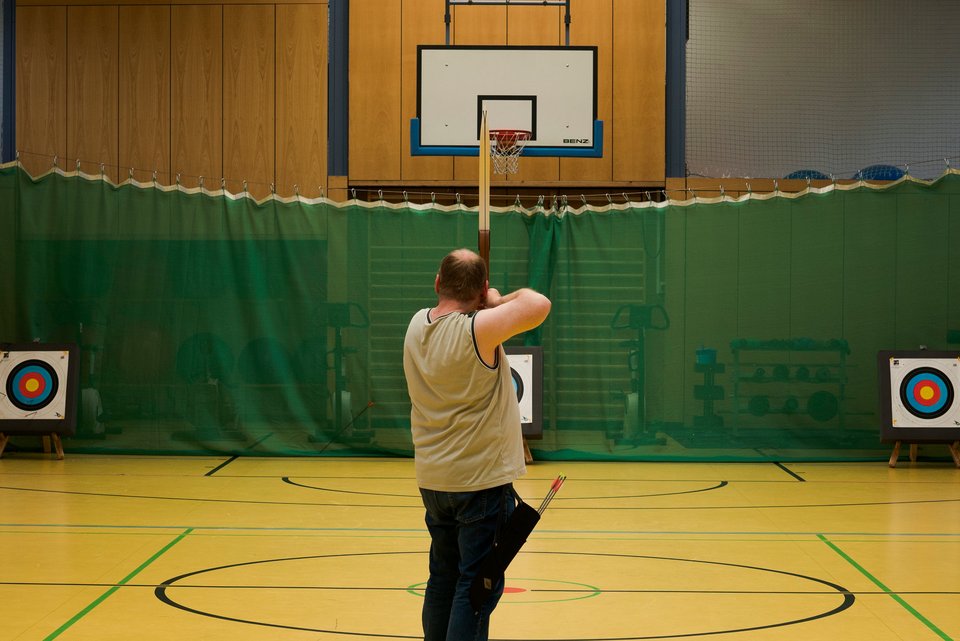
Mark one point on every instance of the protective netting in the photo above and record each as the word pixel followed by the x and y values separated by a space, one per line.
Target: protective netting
pixel 822 88
pixel 731 329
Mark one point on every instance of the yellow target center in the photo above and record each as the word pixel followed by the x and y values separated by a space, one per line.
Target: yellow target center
pixel 926 393
pixel 32 385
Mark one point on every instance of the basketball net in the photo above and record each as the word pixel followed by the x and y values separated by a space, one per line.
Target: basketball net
pixel 506 145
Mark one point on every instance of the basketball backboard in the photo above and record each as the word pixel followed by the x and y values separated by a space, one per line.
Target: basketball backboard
pixel 549 91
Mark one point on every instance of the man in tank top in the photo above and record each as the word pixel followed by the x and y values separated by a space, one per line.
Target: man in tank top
pixel 466 432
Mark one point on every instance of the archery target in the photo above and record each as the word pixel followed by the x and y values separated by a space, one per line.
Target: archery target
pixel 34 385
pixel 521 366
pixel 923 392
pixel 526 371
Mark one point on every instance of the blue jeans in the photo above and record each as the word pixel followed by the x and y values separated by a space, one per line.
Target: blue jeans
pixel 462 528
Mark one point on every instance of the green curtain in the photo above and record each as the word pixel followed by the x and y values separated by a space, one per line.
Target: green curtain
pixel 734 329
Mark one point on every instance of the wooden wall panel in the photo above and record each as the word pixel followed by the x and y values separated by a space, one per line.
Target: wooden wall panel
pixel 92 89
pixel 476 26
pixel 422 23
pixel 375 108
pixel 41 89
pixel 301 98
pixel 249 87
pixel 591 23
pixel 639 92
pixel 196 122
pixel 535 26
pixel 145 91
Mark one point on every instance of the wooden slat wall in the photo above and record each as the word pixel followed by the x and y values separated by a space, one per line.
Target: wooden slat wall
pixel 639 96
pixel 197 92
pixel 92 88
pixel 419 26
pixel 41 77
pixel 239 91
pixel 249 63
pixel 591 24
pixel 301 99
pixel 213 90
pixel 145 91
pixel 374 74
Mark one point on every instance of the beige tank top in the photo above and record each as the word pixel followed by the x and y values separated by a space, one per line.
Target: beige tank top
pixel 464 414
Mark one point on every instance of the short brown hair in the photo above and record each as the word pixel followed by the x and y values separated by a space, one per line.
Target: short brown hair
pixel 462 277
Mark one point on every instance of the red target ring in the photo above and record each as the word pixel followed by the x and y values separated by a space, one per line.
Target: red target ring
pixel 927 394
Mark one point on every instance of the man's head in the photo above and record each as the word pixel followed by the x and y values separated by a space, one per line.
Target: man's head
pixel 462 277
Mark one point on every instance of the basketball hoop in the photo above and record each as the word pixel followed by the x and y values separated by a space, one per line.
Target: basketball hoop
pixel 506 145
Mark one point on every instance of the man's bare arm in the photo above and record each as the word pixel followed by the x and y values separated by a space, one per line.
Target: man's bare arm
pixel 503 317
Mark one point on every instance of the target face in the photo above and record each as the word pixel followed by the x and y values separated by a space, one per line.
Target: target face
pixel 926 393
pixel 526 370
pixel 521 367
pixel 34 385
pixel 923 392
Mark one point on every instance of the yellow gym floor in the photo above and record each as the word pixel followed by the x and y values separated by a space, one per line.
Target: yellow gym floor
pixel 237 549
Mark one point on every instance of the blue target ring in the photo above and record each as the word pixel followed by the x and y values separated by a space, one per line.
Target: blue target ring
pixel 926 393
pixel 32 385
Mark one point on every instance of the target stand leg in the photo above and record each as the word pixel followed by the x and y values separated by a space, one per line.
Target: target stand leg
pixel 914 447
pixel 3 442
pixel 953 447
pixel 57 444
pixel 895 454
pixel 527 455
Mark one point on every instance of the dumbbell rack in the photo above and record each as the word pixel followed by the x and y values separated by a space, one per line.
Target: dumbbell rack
pixel 769 364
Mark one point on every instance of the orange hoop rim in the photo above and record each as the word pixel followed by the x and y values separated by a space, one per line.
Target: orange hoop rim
pixel 510 135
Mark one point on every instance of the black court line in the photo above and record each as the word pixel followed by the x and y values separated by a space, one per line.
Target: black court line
pixel 848 598
pixel 789 471
pixel 420 507
pixel 373 588
pixel 222 465
pixel 717 486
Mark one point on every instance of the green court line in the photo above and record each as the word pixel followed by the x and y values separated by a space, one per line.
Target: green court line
pixel 82 613
pixel 893 595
